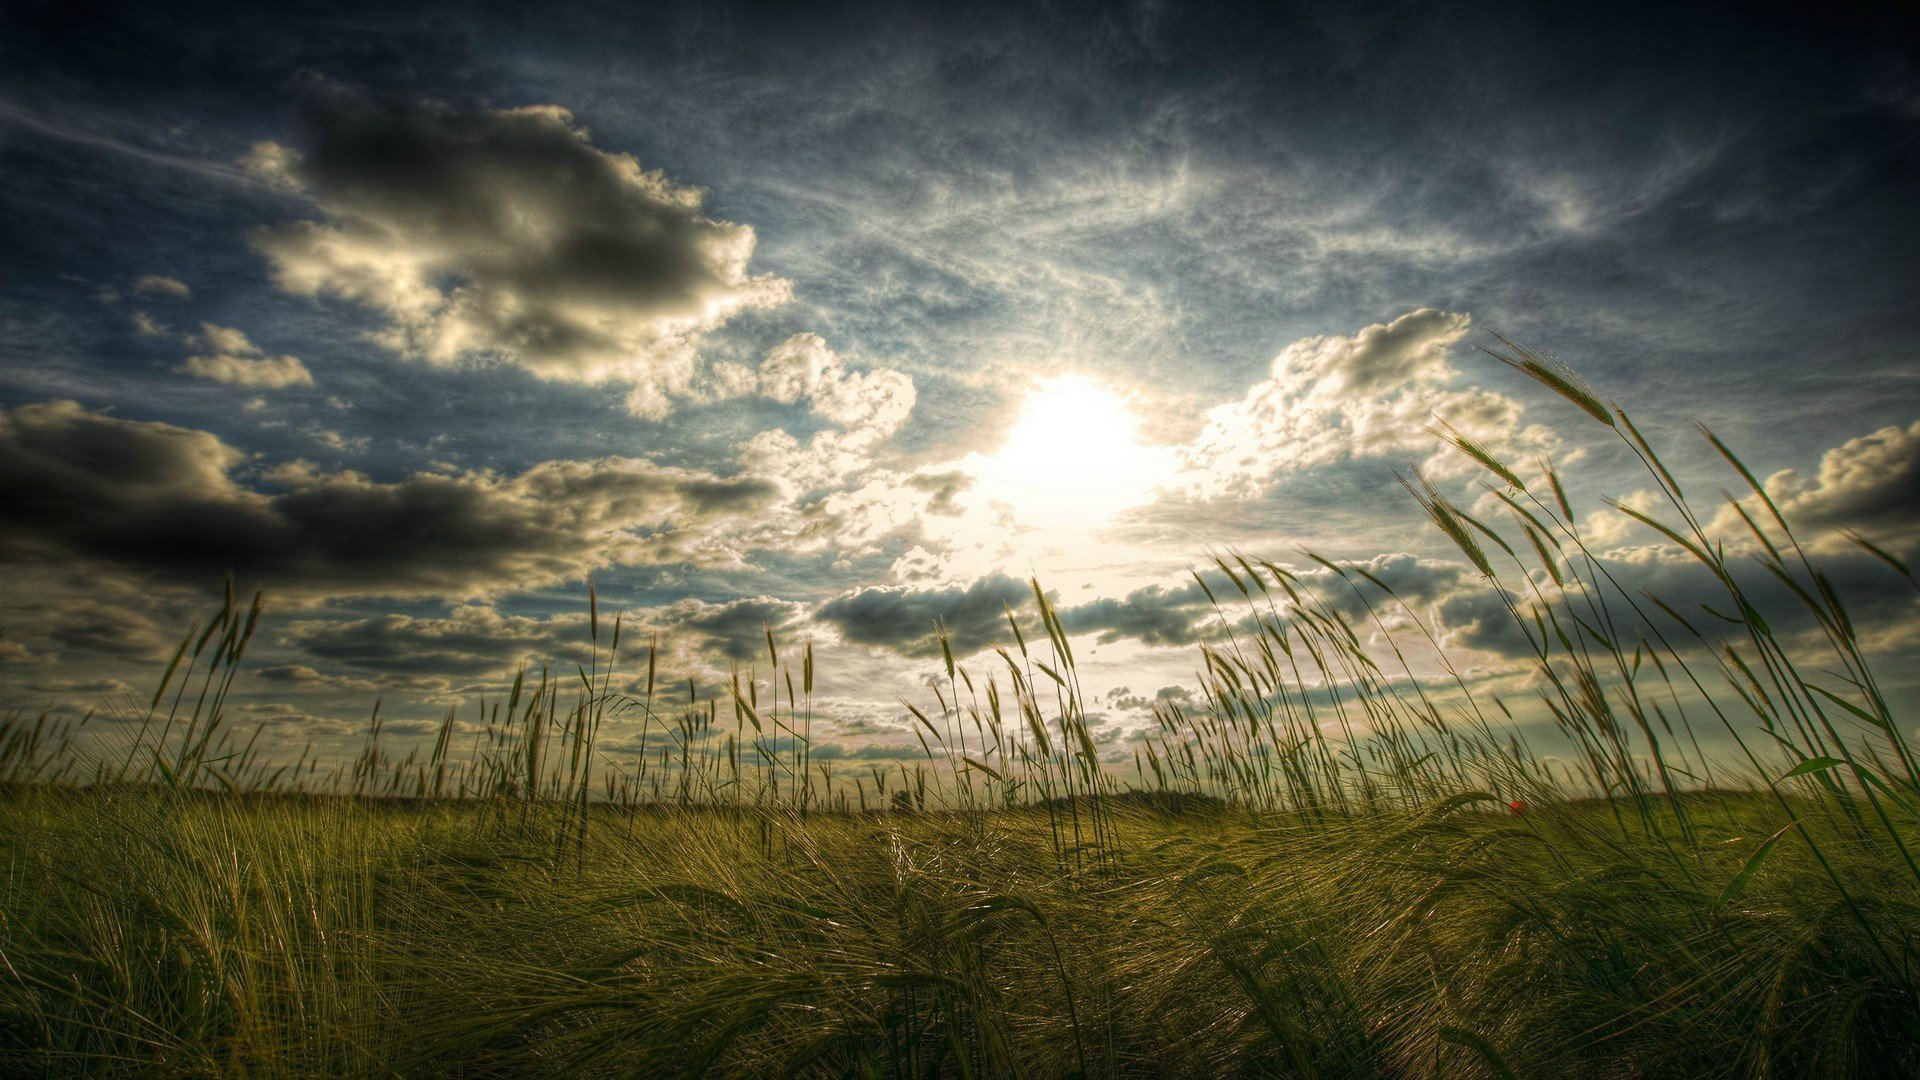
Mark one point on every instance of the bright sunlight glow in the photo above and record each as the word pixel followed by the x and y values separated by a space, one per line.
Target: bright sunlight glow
pixel 1074 459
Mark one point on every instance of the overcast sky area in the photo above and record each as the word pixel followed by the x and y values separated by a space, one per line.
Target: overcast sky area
pixel 843 321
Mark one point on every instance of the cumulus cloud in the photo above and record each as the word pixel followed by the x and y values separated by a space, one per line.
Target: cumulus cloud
pixel 803 368
pixel 903 620
pixel 165 500
pixel 867 407
pixel 1871 483
pixel 231 358
pixel 1369 394
pixel 506 235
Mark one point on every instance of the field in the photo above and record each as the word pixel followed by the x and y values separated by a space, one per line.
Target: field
pixel 1332 867
pixel 200 936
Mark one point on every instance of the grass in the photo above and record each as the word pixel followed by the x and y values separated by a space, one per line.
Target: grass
pixel 1344 861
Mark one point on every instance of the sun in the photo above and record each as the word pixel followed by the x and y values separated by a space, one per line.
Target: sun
pixel 1074 458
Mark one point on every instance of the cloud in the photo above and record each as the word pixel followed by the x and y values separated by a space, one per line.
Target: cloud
pixel 156 285
pixel 803 368
pixel 1882 608
pixel 287 715
pixel 1870 483
pixel 736 629
pixel 944 487
pixel 105 629
pixel 1154 615
pixel 1330 397
pixel 1178 614
pixel 867 407
pixel 470 641
pixel 1123 699
pixel 307 676
pixel 147 326
pixel 903 620
pixel 164 501
pixel 506 235
pixel 1450 598
pixel 263 373
pixel 232 359
pixel 13 653
pixel 1380 357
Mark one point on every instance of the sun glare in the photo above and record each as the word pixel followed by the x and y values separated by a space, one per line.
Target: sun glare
pixel 1074 459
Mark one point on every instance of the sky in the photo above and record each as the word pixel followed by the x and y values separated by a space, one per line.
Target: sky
pixel 841 320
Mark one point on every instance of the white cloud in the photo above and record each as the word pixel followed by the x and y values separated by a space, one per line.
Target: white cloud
pixel 1370 394
pixel 1870 484
pixel 267 373
pixel 156 285
pixel 231 358
pixel 867 407
pixel 803 368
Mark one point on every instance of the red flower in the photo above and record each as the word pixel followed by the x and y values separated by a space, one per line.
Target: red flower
pixel 1517 807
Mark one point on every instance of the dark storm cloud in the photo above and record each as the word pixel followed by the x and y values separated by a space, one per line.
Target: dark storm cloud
pixel 1450 593
pixel 1450 596
pixel 903 620
pixel 1870 483
pixel 156 498
pixel 469 642
pixel 1883 610
pixel 104 629
pixel 505 233
pixel 736 629
pixel 421 652
pixel 1154 615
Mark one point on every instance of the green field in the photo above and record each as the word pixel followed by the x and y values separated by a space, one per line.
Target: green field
pixel 1331 867
pixel 207 935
